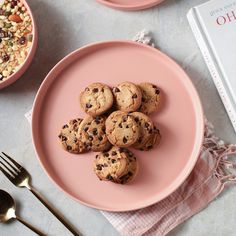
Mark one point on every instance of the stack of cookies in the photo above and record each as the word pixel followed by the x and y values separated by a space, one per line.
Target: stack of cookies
pixel 117 119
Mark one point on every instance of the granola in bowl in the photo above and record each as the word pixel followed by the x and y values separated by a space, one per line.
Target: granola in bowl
pixel 15 36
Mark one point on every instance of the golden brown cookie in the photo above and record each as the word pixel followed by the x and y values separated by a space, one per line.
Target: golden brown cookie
pixel 93 135
pixel 118 165
pixel 146 129
pixel 127 96
pixel 96 99
pixel 151 98
pixel 69 138
pixel 152 141
pixel 121 129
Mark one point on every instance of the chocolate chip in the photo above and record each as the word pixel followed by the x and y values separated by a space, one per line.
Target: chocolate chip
pixel 127 126
pixel 95 90
pixel 99 167
pixel 124 119
pixel 74 121
pixel 104 129
pixel 97 120
pixel 109 177
pixel 124 177
pixel 90 138
pixel 125 140
pixel 113 161
pixel 96 157
pixel 95 132
pixel 86 129
pixel 106 154
pixel 88 105
pixel 102 90
pixel 59 136
pixel 149 147
pixel 120 125
pixel 147 125
pixel 65 126
pixel 69 148
pixel 87 89
pixel 105 165
pixel 116 90
pixel 114 153
pixel 130 154
pixel 150 131
pixel 75 140
pixel 134 96
pixel 100 138
pixel 154 86
pixel 157 91
pixel 130 173
pixel 136 119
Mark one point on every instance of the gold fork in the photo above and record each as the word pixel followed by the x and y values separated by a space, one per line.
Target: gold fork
pixel 20 177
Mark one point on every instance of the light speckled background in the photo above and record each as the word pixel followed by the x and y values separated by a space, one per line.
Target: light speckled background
pixel 68 25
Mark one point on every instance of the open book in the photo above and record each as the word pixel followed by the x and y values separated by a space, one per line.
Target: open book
pixel 214 26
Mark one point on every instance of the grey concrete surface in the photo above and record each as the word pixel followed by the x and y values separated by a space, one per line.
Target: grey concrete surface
pixel 68 25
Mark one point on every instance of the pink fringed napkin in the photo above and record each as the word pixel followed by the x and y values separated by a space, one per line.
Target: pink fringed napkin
pixel 207 180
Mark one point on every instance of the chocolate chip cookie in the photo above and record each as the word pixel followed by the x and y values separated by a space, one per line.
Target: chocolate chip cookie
pixel 69 138
pixel 96 99
pixel 146 128
pixel 152 141
pixel 128 96
pixel 118 165
pixel 93 135
pixel 121 129
pixel 151 98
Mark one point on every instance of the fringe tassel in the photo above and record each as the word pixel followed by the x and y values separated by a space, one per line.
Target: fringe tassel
pixel 221 152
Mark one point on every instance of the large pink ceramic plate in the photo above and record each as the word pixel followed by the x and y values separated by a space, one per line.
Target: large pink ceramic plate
pixel 130 5
pixel 163 169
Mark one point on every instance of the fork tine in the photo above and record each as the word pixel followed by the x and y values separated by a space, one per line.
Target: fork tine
pixel 12 160
pixel 12 166
pixel 9 170
pixel 6 173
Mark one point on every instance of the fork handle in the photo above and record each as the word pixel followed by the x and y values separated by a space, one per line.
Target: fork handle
pixel 53 211
pixel 30 226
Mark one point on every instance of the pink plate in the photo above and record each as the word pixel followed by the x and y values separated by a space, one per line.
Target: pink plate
pixel 163 169
pixel 30 55
pixel 130 5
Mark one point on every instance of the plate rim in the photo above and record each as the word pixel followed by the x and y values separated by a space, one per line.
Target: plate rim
pixel 197 103
pixel 131 8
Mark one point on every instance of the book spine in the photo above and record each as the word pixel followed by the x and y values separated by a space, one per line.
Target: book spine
pixel 210 61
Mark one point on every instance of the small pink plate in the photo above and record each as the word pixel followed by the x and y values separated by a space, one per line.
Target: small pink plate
pixel 130 5
pixel 30 55
pixel 180 120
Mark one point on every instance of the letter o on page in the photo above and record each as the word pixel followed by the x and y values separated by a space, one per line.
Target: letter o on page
pixel 221 20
